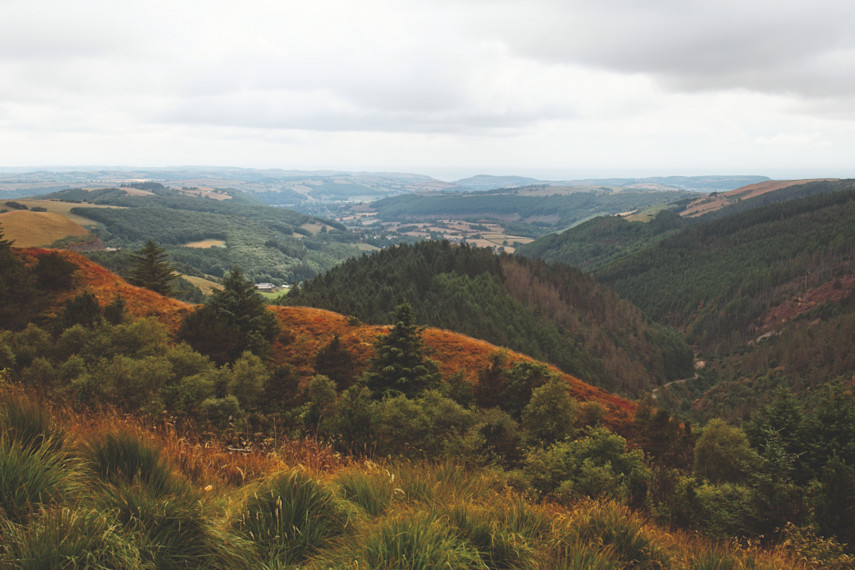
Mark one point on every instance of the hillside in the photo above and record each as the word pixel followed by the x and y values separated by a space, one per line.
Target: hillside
pixel 150 454
pixel 30 229
pixel 270 244
pixel 530 211
pixel 717 280
pixel 554 313
pixel 308 329
pixel 602 240
pixel 719 200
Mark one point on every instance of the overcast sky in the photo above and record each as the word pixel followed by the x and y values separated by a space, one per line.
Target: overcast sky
pixel 449 88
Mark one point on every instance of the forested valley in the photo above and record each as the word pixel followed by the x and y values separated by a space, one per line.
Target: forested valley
pixel 355 426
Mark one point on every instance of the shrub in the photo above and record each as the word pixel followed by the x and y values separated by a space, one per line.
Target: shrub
pixel 598 465
pixel 53 272
pixel 289 517
pixel 221 411
pixel 551 413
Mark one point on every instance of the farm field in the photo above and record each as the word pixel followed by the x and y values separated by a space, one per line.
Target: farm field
pixel 33 229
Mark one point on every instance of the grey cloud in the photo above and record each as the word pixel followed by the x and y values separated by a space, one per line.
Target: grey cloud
pixel 773 46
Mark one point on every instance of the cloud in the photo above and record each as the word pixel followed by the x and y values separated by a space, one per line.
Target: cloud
pixel 783 46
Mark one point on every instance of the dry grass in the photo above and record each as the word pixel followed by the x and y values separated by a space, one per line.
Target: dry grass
pixel 32 229
pixel 206 243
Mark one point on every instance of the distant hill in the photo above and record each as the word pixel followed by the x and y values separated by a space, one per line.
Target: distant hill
pixel 551 312
pixel 207 232
pixel 487 182
pixel 531 211
pixel 313 192
pixel 693 183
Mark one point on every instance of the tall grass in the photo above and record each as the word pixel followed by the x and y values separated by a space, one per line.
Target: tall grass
pixel 372 491
pixel 33 476
pixel 497 546
pixel 289 517
pixel 419 542
pixel 29 424
pixel 627 536
pixel 69 538
pixel 159 507
pixel 122 458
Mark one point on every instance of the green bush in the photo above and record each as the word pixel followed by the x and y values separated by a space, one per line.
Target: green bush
pixel 289 517
pixel 597 466
pixel 221 411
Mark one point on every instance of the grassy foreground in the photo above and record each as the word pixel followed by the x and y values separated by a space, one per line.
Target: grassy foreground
pixel 104 491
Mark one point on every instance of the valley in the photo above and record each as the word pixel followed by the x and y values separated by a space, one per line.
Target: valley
pixel 542 343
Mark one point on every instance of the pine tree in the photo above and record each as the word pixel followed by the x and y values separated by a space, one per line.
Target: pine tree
pixel 16 288
pixel 335 362
pixel 400 364
pixel 234 320
pixel 150 268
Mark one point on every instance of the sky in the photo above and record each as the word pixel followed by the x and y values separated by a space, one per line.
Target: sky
pixel 449 88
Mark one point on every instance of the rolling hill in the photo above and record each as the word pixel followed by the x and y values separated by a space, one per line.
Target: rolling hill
pixel 270 244
pixel 30 229
pixel 551 312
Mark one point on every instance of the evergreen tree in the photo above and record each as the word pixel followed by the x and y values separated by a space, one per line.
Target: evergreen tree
pixel 18 301
pixel 233 320
pixel 335 362
pixel 400 364
pixel 150 268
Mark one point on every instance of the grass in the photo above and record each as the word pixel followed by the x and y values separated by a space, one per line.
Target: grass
pixel 29 424
pixel 372 490
pixel 117 494
pixel 419 542
pixel 69 538
pixel 289 517
pixel 31 477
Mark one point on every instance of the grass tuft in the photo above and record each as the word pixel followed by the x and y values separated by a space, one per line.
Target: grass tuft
pixel 371 491
pixel 31 477
pixel 29 424
pixel 122 458
pixel 67 538
pixel 290 517
pixel 614 527
pixel 419 542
